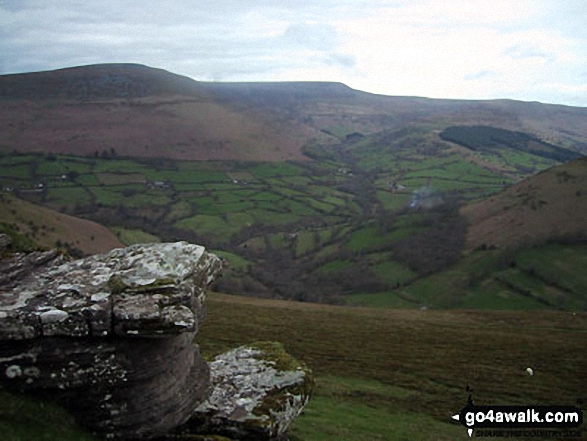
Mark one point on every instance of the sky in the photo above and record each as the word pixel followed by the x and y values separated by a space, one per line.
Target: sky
pixel 531 50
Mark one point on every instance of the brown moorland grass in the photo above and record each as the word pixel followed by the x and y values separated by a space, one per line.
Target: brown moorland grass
pixel 550 205
pixel 171 127
pixel 159 114
pixel 382 374
pixel 51 226
pixel 432 355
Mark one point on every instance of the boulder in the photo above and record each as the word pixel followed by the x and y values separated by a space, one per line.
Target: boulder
pixel 258 390
pixel 109 336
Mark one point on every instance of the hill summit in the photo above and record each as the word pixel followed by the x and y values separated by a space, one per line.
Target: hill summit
pixel 141 111
pixel 94 82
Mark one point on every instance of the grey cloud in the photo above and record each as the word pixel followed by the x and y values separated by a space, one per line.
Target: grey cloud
pixel 220 34
pixel 200 12
pixel 58 36
pixel 567 16
pixel 16 5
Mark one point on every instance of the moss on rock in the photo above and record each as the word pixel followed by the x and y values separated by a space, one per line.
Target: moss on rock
pixel 259 389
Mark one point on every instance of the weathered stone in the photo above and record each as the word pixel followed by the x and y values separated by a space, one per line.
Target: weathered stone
pixel 83 333
pixel 15 268
pixel 258 391
pixel 150 289
pixel 111 337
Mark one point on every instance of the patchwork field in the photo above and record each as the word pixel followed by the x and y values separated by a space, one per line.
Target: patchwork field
pixel 322 226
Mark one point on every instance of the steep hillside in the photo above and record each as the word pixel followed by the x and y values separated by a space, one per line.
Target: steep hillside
pixel 550 205
pixel 134 110
pixel 336 110
pixel 50 228
pixel 525 249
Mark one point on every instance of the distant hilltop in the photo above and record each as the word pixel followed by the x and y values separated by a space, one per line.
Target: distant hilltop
pixel 145 112
pixel 97 81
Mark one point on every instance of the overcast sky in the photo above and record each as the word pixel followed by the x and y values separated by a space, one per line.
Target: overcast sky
pixel 533 50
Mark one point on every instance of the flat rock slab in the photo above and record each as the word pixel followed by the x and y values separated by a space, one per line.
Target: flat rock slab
pixel 258 390
pixel 141 290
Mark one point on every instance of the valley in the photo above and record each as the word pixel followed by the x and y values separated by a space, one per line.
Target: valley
pixel 403 248
pixel 369 221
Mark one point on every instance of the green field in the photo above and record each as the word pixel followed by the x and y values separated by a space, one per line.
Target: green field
pixel 394 272
pixel 303 216
pixel 234 261
pixel 545 277
pixel 335 265
pixel 131 237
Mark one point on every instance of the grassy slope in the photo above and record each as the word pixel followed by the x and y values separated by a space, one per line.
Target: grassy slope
pixel 529 270
pixel 194 129
pixel 47 227
pixel 544 277
pixel 381 374
pixel 146 112
pixel 393 374
pixel 549 205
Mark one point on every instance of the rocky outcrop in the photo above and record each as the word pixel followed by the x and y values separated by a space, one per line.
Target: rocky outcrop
pixel 111 337
pixel 258 390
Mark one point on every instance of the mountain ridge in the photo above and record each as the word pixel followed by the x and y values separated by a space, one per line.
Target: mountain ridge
pixel 141 111
pixel 272 84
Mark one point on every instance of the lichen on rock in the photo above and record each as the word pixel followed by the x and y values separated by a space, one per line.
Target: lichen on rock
pixel 109 336
pixel 148 289
pixel 258 390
